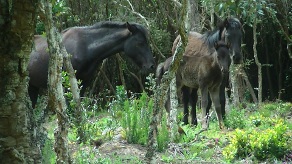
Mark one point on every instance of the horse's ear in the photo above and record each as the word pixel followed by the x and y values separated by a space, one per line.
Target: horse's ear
pixel 131 28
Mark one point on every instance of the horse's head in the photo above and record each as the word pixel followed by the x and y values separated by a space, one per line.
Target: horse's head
pixel 223 56
pixel 232 35
pixel 137 47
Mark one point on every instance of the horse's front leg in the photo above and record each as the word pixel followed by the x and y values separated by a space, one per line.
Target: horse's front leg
pixel 222 93
pixel 204 94
pixel 193 101
pixel 186 95
pixel 215 96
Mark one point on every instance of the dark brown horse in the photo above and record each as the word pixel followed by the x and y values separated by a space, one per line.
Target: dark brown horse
pixel 203 71
pixel 230 31
pixel 88 46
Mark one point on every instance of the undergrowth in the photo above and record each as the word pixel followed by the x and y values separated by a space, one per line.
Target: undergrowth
pixel 263 134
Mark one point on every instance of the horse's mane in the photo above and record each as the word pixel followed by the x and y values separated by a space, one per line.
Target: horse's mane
pixel 211 37
pixel 113 24
pixel 116 24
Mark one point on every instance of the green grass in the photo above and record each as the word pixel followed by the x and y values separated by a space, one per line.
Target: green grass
pixel 261 133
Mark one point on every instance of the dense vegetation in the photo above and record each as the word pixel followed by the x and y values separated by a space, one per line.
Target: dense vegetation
pixel 273 19
pixel 253 133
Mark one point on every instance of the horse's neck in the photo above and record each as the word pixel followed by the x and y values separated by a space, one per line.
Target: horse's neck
pixel 211 39
pixel 105 43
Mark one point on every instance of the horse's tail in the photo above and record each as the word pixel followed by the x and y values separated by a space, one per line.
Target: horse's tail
pixel 159 72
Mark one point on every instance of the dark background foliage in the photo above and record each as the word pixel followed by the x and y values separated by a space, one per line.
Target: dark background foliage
pixel 274 34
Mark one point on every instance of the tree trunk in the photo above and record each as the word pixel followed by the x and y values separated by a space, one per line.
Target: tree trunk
pixel 193 16
pixel 234 71
pixel 268 70
pixel 161 92
pixel 55 89
pixel 280 75
pixel 257 61
pixel 17 145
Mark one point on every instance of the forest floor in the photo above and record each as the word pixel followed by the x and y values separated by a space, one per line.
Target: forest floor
pixel 207 147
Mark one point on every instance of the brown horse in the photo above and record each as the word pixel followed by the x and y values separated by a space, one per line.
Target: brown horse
pixel 230 31
pixel 203 71
pixel 88 46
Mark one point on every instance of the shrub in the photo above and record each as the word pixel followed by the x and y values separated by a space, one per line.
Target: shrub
pixel 271 142
pixel 235 119
pixel 136 119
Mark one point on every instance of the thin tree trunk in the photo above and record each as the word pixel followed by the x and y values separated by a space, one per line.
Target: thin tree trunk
pixel 257 61
pixel 173 110
pixel 280 81
pixel 249 86
pixel 161 92
pixel 234 71
pixel 78 116
pixel 138 80
pixel 193 16
pixel 268 71
pixel 17 141
pixel 112 89
pixel 120 64
pixel 55 89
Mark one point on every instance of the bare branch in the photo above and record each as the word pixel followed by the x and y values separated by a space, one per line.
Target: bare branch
pixel 133 11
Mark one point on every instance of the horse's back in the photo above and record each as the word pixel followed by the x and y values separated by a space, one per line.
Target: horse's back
pixel 199 70
pixel 38 62
pixel 195 46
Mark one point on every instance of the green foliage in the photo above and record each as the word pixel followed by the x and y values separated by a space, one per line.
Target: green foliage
pixel 48 154
pixel 279 108
pixel 86 156
pixel 163 135
pixel 269 140
pixel 167 158
pixel 134 115
pixel 136 119
pixel 90 155
pixel 162 40
pixel 68 94
pixel 190 133
pixel 235 119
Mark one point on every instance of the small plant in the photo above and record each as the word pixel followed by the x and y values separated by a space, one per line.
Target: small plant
pixel 163 135
pixel 235 119
pixel 87 155
pixel 134 115
pixel 167 158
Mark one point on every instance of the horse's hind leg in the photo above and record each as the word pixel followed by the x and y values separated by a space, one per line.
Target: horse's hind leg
pixel 208 106
pixel 204 93
pixel 193 101
pixel 186 95
pixel 216 100
pixel 33 94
